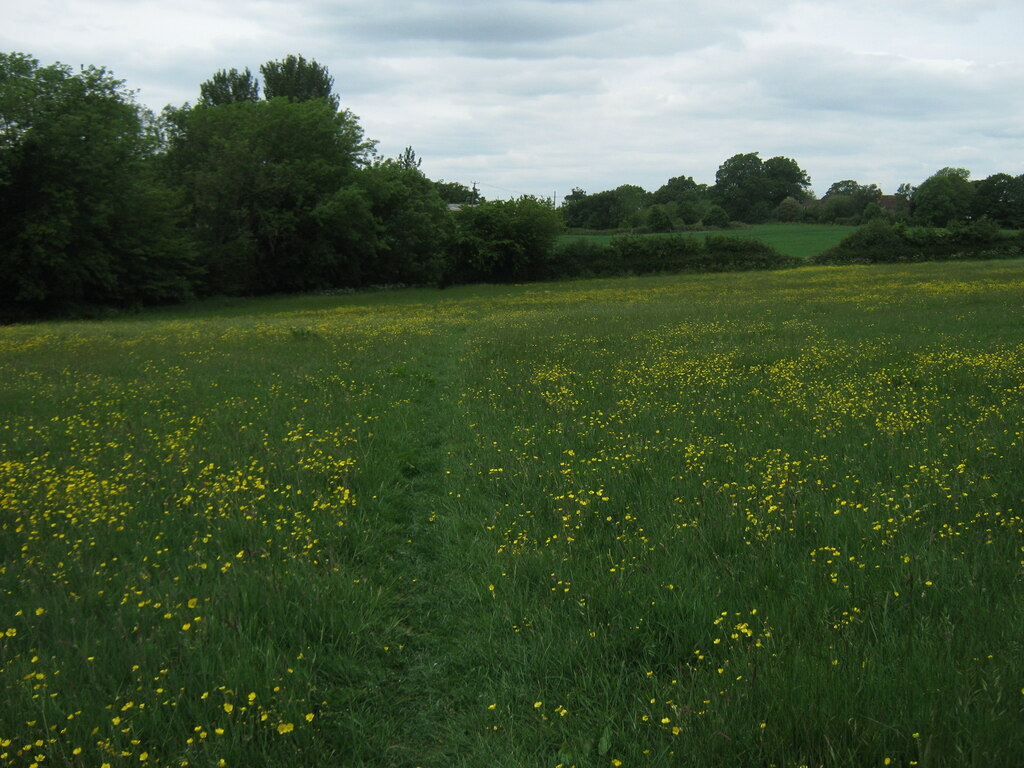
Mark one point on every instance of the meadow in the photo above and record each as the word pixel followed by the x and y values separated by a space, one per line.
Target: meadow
pixel 800 240
pixel 749 519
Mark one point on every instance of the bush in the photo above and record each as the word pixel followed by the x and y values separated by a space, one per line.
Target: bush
pixel 582 258
pixel 879 242
pixel 503 241
pixel 716 217
pixel 638 255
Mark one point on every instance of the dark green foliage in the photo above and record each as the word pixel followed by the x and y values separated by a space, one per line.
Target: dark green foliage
pixel 846 202
pixel 788 210
pixel 583 258
pixel 414 228
pixel 881 242
pixel 750 189
pixel 83 221
pixel 454 193
pixel 784 178
pixel 1000 197
pixel 272 190
pixel 680 189
pixel 612 209
pixel 944 197
pixel 503 241
pixel 638 255
pixel 229 87
pixel 658 220
pixel 296 79
pixel 740 184
pixel 717 217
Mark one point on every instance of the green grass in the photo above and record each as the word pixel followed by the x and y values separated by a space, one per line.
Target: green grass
pixel 800 240
pixel 747 519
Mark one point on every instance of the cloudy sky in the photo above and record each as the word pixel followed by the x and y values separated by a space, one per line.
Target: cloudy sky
pixel 540 96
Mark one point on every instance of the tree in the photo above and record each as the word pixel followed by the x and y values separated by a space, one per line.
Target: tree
pixel 454 193
pixel 784 178
pixel 739 184
pixel 679 189
pixel 229 87
pixel 82 220
pixel 408 159
pixel 788 210
pixel 716 217
pixel 614 208
pixel 1000 197
pixel 503 241
pixel 750 189
pixel 945 196
pixel 297 79
pixel 413 226
pixel 658 220
pixel 847 200
pixel 273 191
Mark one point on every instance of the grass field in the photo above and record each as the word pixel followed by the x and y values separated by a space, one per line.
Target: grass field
pixel 759 519
pixel 800 240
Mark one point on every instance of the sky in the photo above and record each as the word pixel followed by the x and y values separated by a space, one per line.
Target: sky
pixel 541 96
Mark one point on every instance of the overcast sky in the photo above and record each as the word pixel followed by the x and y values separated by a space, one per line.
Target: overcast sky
pixel 540 96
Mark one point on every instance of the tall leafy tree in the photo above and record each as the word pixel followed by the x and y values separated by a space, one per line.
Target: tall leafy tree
pixel 749 188
pixel 229 87
pixel 273 191
pixel 689 199
pixel 847 199
pixel 297 79
pixel 784 178
pixel 619 207
pixel 740 185
pixel 456 193
pixel 503 241
pixel 944 197
pixel 413 226
pixel 82 220
pixel 1000 197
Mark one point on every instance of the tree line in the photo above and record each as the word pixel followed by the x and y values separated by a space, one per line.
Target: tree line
pixel 268 184
pixel 751 191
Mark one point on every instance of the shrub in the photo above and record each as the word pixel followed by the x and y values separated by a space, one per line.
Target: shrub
pixel 879 242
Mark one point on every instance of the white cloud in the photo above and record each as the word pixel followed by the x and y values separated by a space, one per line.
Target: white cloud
pixel 544 95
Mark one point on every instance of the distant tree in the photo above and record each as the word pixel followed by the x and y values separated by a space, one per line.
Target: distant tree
pixel 679 189
pixel 945 196
pixel 749 188
pixel 873 211
pixel 297 79
pixel 454 193
pixel 740 184
pixel 274 194
pixel 612 209
pixel 904 200
pixel 229 87
pixel 408 159
pixel 1000 197
pixel 716 217
pixel 503 241
pixel 658 220
pixel 788 210
pixel 413 226
pixel 83 221
pixel 784 178
pixel 846 201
